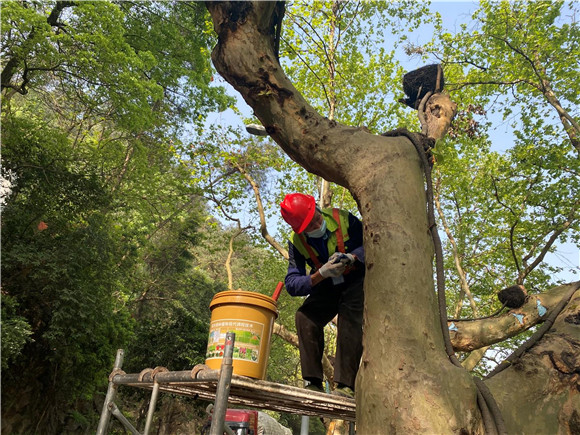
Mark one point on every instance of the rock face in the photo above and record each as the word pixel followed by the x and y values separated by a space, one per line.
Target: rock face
pixel 267 425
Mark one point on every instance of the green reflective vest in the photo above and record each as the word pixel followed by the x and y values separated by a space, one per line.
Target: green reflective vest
pixel 332 243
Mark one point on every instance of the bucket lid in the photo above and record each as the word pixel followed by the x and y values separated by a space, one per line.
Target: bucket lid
pixel 244 297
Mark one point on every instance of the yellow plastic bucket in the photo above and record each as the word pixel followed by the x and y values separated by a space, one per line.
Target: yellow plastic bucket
pixel 251 317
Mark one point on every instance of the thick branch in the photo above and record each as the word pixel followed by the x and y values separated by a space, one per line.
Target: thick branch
pixel 281 331
pixel 14 62
pixel 55 13
pixel 246 60
pixel 465 290
pixel 228 263
pixel 8 72
pixel 471 335
pixel 474 358
pixel 570 124
pixel 547 246
pixel 439 112
pixel 325 194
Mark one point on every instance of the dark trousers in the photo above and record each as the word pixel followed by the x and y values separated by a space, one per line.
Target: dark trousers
pixel 325 302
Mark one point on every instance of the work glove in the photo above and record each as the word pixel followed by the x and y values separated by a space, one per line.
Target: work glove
pixel 346 259
pixel 331 269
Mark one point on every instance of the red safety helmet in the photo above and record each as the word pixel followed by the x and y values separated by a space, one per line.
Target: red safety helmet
pixel 298 210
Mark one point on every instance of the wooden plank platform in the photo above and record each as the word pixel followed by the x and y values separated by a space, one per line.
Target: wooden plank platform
pixel 201 383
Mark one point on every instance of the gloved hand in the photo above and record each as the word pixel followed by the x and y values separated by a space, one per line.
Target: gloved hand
pixel 346 259
pixel 331 269
pixel 335 258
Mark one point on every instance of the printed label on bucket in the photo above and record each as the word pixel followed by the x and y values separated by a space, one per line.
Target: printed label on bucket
pixel 248 339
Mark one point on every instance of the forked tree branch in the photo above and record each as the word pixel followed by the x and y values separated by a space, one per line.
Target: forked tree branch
pixel 470 335
pixel 263 227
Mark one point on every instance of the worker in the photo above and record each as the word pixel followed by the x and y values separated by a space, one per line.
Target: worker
pixel 330 242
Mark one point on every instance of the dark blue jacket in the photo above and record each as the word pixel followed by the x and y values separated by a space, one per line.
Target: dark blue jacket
pixel 298 282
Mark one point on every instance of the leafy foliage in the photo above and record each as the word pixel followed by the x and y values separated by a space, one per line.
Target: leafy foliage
pixel 98 210
pixel 15 332
pixel 60 276
pixel 335 54
pixel 514 205
pixel 90 50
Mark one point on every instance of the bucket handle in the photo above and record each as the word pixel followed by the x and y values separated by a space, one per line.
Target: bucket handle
pixel 276 294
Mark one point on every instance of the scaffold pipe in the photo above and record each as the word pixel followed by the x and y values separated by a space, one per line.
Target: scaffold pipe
pixel 223 387
pixel 106 412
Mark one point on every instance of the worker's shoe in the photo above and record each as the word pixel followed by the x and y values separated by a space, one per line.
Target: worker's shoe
pixel 344 391
pixel 314 387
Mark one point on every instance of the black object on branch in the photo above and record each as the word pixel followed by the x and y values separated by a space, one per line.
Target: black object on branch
pixel 419 82
pixel 513 297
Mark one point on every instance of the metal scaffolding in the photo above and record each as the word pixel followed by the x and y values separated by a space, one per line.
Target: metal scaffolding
pixel 203 383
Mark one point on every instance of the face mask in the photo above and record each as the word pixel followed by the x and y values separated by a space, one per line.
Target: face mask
pixel 319 232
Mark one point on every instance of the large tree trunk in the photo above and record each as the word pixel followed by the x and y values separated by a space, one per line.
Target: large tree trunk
pixel 406 383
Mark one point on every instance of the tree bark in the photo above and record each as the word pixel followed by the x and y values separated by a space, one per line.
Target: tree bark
pixel 468 335
pixel 539 393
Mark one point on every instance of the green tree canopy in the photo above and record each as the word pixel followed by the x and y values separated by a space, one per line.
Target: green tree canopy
pixel 91 112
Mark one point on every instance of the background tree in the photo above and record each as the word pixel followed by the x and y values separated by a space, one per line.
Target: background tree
pixel 59 273
pixel 505 211
pixel 89 111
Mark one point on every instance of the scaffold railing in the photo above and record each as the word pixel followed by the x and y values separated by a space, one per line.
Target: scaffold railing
pixel 204 383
